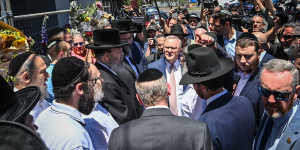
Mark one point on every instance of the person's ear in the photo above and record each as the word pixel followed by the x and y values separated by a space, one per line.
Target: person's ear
pixel 139 99
pixel 26 77
pixel 79 89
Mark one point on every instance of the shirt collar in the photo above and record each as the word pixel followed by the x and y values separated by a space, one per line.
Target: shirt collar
pixel 157 106
pixel 213 98
pixel 233 39
pixel 67 110
pixel 176 64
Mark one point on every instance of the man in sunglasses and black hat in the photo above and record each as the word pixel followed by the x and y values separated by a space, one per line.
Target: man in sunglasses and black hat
pixel 280 124
pixel 230 119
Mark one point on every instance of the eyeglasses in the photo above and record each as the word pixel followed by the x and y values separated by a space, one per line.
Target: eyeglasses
pixel 94 81
pixel 78 44
pixel 279 96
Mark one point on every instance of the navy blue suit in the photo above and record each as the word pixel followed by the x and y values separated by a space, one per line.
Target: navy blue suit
pixel 265 59
pixel 231 122
pixel 251 92
pixel 290 139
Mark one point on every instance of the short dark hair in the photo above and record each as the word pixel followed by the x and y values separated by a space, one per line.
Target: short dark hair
pixel 223 18
pixel 246 42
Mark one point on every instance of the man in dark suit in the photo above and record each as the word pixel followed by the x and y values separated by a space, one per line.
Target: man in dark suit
pixel 230 119
pixel 247 61
pixel 118 98
pixel 280 124
pixel 158 128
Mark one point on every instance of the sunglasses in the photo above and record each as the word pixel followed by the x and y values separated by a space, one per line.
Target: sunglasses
pixel 78 44
pixel 279 96
pixel 286 37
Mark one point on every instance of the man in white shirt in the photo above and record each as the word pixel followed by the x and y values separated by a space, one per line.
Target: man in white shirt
pixel 171 66
pixel 61 125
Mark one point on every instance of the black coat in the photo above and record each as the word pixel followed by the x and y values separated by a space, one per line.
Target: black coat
pixel 118 98
pixel 159 129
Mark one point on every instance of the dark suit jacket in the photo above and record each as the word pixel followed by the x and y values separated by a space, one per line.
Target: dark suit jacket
pixel 159 129
pixel 118 99
pixel 290 139
pixel 251 92
pixel 265 59
pixel 231 122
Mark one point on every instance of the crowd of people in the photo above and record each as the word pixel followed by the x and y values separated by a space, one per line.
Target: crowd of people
pixel 207 81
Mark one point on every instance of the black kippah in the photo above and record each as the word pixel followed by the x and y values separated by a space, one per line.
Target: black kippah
pixel 16 63
pixel 53 31
pixel 66 71
pixel 248 36
pixel 149 75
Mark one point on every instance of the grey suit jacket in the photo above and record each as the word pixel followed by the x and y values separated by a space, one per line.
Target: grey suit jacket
pixel 159 129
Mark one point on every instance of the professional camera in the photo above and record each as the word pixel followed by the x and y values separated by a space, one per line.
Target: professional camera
pixel 209 5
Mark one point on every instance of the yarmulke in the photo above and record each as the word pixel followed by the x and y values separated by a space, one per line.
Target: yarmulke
pixel 149 75
pixel 16 63
pixel 66 71
pixel 248 36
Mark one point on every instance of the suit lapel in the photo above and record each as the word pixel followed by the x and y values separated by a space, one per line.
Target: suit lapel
pixel 291 134
pixel 221 101
pixel 129 68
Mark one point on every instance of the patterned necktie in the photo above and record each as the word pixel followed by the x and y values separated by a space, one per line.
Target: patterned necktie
pixel 172 98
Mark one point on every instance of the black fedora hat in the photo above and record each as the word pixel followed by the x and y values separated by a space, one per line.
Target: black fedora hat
pixel 177 30
pixel 204 65
pixel 125 25
pixel 16 106
pixel 106 38
pixel 13 134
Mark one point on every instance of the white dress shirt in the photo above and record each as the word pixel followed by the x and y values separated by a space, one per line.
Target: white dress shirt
pixel 193 106
pixel 242 83
pixel 99 125
pixel 61 128
pixel 178 76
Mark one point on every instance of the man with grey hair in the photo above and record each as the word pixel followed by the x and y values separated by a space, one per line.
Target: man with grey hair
pixel 279 126
pixel 171 67
pixel 158 128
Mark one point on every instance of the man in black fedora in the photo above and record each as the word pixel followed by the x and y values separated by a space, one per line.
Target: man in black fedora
pixel 119 99
pixel 134 55
pixel 230 119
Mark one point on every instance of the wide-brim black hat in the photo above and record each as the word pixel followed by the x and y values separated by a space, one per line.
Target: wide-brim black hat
pixel 106 39
pixel 16 106
pixel 204 65
pixel 125 25
pixel 176 30
pixel 15 136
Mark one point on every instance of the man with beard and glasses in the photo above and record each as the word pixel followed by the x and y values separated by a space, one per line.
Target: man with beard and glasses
pixel 247 54
pixel 29 69
pixel 280 123
pixel 100 123
pixel 61 125
pixel 119 99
